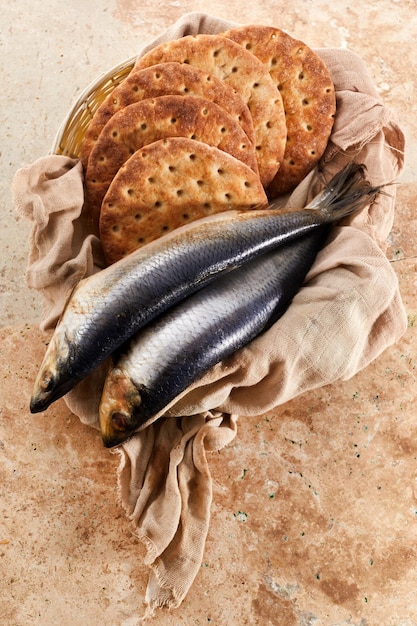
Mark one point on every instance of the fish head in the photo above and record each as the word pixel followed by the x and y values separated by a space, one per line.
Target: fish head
pixel 119 401
pixel 51 382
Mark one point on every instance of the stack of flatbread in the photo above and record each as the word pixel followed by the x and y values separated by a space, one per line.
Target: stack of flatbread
pixel 203 124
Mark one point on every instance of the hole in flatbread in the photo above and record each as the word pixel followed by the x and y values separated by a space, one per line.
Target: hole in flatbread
pixel 306 102
pixel 258 148
pixel 141 240
pixel 157 75
pixel 204 111
pixel 171 168
pixel 115 228
pixel 132 151
pixel 186 61
pixel 165 228
pixel 248 46
pixel 309 127
pixel 200 183
pixel 255 85
pixel 248 184
pixel 114 133
pixel 207 205
pixel 228 196
pixel 269 124
pixel 192 157
pixel 312 152
pixel 180 192
pixel 223 129
pixel 157 204
pixel 291 162
pixel 138 216
pixel 102 158
pixel 110 205
pixel 234 69
pixel 216 52
pixel 135 88
pixel 220 171
pixel 185 216
pixel 301 76
pixel 243 146
pixel 151 180
pixel 279 87
pixel 130 192
pixel 328 90
pixel 143 126
pixel 173 120
pixel 208 78
pixel 192 136
pixel 274 61
pixel 186 90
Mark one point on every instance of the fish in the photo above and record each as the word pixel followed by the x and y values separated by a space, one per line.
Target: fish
pixel 181 345
pixel 107 308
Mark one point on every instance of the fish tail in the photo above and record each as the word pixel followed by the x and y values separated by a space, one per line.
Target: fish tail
pixel 348 192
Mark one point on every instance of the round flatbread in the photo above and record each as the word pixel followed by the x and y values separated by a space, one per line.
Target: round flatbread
pixel 227 60
pixel 308 96
pixel 152 119
pixel 167 184
pixel 167 79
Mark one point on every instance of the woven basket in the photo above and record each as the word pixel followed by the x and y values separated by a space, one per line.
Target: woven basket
pixel 70 136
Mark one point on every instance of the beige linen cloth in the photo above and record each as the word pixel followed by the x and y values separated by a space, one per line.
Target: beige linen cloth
pixel 346 314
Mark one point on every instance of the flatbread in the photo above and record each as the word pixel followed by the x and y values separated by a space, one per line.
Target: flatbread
pixel 230 62
pixel 144 122
pixel 167 79
pixel 308 96
pixel 167 184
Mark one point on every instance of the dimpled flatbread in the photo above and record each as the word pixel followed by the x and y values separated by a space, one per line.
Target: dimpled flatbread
pixel 167 184
pixel 144 122
pixel 227 60
pixel 308 96
pixel 166 79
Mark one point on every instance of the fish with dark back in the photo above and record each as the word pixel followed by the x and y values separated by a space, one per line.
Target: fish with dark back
pixel 108 308
pixel 181 345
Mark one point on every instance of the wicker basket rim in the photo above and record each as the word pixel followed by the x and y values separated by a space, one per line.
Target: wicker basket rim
pixel 86 103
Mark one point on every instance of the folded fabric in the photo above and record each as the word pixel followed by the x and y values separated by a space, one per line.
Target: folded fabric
pixel 347 313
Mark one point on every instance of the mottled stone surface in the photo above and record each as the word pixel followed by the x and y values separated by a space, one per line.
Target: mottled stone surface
pixel 314 518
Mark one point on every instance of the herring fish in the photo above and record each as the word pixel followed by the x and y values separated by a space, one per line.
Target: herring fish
pixel 182 344
pixel 109 307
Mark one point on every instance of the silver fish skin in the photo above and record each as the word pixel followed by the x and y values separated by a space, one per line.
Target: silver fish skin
pixel 181 345
pixel 109 307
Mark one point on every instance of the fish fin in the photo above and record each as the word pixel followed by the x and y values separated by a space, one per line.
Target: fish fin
pixel 348 192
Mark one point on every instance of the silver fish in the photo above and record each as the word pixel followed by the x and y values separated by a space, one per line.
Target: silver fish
pixel 182 344
pixel 109 307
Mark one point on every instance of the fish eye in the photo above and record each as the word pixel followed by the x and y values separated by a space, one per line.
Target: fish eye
pixel 47 381
pixel 119 421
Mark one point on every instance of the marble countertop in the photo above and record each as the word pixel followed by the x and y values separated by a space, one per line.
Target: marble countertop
pixel 314 517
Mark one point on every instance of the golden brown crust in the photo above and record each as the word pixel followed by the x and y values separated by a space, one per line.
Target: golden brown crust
pixel 166 79
pixel 169 183
pixel 139 124
pixel 308 96
pixel 230 62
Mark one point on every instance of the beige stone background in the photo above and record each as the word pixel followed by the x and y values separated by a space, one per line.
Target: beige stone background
pixel 314 519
